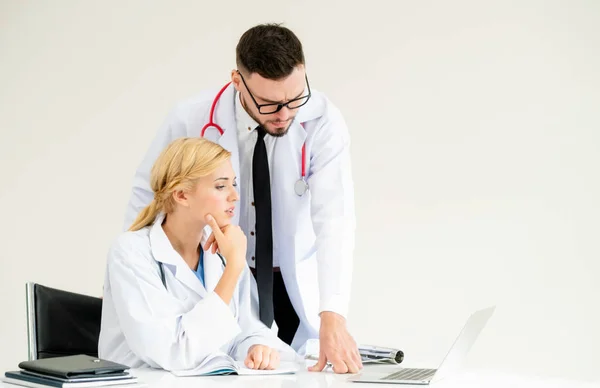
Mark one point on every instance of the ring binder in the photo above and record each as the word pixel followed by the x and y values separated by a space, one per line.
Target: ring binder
pixel 369 354
pixel 380 354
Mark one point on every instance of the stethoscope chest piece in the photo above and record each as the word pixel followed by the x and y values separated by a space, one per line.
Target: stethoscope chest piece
pixel 301 187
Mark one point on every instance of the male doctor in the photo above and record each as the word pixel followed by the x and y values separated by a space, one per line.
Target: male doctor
pixel 290 152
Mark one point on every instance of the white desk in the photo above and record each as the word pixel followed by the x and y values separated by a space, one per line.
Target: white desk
pixel 305 379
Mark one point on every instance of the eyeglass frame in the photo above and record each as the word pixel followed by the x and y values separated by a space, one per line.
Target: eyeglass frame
pixel 279 105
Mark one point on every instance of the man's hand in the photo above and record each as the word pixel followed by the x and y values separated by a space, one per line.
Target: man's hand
pixel 336 345
pixel 262 357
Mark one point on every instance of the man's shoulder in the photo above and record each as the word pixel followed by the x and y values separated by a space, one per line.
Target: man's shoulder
pixel 318 107
pixel 193 110
pixel 202 99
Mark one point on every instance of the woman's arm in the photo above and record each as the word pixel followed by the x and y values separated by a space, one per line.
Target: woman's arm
pixel 151 319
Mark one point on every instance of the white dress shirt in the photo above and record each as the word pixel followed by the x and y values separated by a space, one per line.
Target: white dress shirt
pixel 246 129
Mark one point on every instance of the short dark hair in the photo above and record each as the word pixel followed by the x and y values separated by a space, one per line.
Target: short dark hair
pixel 270 50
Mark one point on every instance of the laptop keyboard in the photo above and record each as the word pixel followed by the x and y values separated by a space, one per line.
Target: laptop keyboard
pixel 413 374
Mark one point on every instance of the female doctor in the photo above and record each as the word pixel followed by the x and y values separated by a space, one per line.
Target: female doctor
pixel 169 302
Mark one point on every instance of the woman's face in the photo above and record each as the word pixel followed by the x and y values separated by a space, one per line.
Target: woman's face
pixel 215 194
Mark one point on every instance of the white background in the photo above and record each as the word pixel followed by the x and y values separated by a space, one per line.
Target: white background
pixel 476 147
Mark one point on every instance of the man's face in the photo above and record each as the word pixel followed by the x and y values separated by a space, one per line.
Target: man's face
pixel 267 91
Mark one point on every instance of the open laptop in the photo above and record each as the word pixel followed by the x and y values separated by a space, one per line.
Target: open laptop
pixel 449 365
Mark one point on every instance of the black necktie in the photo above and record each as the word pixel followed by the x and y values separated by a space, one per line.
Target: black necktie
pixel 264 231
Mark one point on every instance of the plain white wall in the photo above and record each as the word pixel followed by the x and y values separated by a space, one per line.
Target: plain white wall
pixel 476 146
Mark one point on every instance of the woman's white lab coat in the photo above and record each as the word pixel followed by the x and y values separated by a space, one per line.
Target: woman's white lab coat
pixel 173 328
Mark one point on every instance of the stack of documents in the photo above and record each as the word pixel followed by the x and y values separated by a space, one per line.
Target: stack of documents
pixel 78 371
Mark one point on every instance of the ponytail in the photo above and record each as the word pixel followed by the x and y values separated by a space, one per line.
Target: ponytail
pixel 146 216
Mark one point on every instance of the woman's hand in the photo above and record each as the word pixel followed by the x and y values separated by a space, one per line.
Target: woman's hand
pixel 262 357
pixel 230 241
pixel 232 244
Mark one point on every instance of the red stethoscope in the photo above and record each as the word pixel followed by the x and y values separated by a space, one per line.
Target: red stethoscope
pixel 300 187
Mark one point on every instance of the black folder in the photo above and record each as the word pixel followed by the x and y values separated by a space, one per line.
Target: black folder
pixel 72 367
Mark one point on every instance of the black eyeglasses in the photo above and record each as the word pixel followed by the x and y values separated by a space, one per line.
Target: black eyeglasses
pixel 267 109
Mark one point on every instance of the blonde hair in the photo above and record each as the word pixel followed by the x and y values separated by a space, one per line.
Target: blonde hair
pixel 179 167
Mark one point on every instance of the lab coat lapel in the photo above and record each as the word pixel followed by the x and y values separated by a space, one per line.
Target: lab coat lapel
pixel 163 251
pixel 286 170
pixel 287 156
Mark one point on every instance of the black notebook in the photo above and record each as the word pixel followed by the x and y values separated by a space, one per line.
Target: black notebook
pixel 27 379
pixel 73 367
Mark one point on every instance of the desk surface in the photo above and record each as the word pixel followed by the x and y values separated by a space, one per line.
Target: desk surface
pixel 305 379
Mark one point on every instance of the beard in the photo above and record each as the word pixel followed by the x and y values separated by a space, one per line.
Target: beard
pixel 277 132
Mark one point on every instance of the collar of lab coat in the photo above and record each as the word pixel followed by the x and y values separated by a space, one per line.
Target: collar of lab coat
pixel 247 122
pixel 163 252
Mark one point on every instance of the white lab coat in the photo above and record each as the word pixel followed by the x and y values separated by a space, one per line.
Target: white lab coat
pixel 313 234
pixel 177 327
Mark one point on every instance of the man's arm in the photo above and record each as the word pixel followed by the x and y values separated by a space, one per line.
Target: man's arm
pixel 333 217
